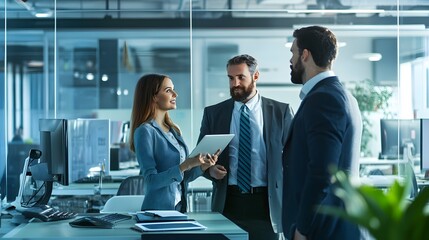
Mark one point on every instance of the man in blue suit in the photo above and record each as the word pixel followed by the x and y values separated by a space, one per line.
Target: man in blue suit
pixel 257 210
pixel 326 131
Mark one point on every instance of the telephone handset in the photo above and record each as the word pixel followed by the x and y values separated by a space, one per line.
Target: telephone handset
pixel 32 191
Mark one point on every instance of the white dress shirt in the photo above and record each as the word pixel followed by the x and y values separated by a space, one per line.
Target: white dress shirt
pixel 258 154
pixel 313 81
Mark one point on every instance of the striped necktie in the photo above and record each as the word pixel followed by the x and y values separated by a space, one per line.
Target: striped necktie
pixel 244 150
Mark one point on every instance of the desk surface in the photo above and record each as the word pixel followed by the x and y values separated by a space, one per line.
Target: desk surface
pixel 215 223
pixel 376 161
pixel 199 184
pixel 89 189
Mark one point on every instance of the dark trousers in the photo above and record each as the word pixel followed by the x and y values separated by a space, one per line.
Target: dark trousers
pixel 250 212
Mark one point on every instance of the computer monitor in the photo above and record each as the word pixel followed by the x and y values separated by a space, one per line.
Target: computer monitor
pixel 395 134
pixel 424 150
pixel 89 148
pixel 54 146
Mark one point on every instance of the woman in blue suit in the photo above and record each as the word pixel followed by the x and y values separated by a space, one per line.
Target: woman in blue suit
pixel 160 148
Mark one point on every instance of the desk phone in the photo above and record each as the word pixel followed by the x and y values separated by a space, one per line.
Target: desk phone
pixel 46 213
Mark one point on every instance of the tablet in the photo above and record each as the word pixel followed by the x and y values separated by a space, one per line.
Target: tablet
pixel 211 143
pixel 170 226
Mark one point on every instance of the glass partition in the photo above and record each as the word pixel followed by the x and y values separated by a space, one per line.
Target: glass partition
pixel 69 59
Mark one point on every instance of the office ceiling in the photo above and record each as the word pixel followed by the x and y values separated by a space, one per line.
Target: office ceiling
pixel 245 13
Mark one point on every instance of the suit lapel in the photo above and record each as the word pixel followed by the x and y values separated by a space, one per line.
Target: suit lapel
pixel 225 119
pixel 165 135
pixel 267 109
pixel 314 89
pixel 223 125
pixel 181 141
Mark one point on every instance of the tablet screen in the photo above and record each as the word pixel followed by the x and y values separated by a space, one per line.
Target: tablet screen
pixel 170 226
pixel 211 143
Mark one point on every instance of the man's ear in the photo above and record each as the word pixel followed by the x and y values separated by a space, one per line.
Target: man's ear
pixel 256 76
pixel 305 55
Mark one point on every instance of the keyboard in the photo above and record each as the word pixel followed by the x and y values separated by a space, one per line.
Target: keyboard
pixel 102 221
pixel 46 213
pixel 94 179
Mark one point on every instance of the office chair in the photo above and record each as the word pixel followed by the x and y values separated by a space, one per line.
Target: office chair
pixel 409 169
pixel 132 185
pixel 123 204
pixel 129 197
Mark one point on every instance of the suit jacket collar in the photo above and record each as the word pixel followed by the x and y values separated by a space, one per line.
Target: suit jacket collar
pixel 165 135
pixel 321 83
pixel 267 107
pixel 313 82
pixel 226 118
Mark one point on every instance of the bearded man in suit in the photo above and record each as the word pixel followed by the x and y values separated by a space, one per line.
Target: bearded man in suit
pixel 257 208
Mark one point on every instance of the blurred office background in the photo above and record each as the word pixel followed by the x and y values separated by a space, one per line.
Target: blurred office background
pixel 82 59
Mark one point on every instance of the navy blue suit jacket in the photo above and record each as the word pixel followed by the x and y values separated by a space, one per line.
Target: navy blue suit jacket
pixel 326 131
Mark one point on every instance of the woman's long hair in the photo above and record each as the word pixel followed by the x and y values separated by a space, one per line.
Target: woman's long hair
pixel 143 106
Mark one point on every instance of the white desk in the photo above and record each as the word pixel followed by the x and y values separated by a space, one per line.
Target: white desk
pixel 108 188
pixel 84 189
pixel 201 184
pixel 215 223
pixel 380 181
pixel 376 161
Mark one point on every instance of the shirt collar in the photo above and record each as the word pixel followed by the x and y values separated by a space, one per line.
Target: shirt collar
pixel 313 81
pixel 251 104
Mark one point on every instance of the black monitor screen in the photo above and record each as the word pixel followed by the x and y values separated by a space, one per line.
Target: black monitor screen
pixel 395 134
pixel 424 151
pixel 53 143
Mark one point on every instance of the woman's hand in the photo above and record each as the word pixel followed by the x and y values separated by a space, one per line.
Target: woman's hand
pixel 200 160
pixel 210 160
pixel 192 162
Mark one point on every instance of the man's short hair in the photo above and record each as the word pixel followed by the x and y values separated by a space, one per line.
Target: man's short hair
pixel 244 58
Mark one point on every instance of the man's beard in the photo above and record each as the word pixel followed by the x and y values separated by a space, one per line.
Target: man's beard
pixel 296 73
pixel 243 94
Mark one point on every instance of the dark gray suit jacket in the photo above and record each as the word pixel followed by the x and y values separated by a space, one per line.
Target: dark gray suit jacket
pixel 326 131
pixel 277 118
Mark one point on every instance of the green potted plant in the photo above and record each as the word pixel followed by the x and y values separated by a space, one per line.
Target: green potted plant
pixel 387 215
pixel 370 99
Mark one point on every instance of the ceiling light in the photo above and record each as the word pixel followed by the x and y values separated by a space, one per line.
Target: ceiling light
pixel 340 44
pixel 373 57
pixel 279 1
pixel 104 77
pixel 42 13
pixel 39 13
pixel 34 63
pixel 90 76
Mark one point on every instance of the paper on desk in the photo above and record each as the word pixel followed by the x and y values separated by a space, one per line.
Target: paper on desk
pixel 165 213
